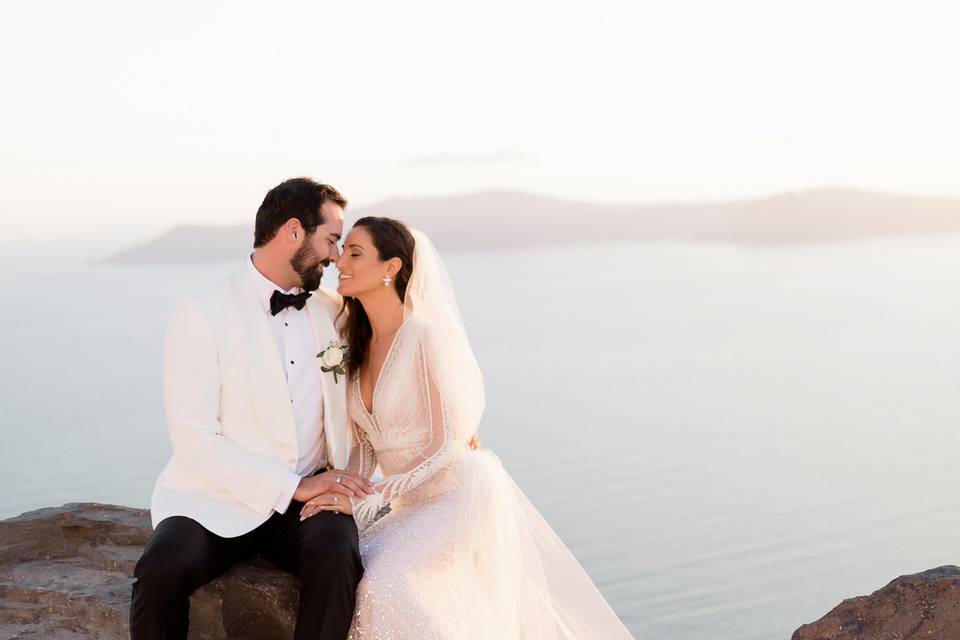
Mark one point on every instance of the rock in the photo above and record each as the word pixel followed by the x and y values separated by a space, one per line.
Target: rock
pixel 923 605
pixel 66 573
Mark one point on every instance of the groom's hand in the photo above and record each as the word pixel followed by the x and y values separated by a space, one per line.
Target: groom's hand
pixel 345 483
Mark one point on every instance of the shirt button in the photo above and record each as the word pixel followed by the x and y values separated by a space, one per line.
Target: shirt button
pixel 291 362
pixel 286 324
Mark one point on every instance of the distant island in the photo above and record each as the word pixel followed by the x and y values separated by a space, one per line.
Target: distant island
pixel 491 220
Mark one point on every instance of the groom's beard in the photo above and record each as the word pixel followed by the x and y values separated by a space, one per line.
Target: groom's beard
pixel 308 267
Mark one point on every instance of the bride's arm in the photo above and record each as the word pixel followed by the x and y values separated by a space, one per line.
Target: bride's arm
pixel 434 456
pixel 363 459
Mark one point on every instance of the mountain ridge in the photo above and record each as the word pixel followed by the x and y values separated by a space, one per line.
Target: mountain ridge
pixel 497 219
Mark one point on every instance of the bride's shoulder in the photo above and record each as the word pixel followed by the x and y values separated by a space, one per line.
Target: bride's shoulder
pixel 414 324
pixel 420 330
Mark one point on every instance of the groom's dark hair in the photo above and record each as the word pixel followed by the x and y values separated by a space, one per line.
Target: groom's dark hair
pixel 299 198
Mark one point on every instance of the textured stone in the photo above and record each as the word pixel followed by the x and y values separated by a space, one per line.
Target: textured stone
pixel 66 573
pixel 923 605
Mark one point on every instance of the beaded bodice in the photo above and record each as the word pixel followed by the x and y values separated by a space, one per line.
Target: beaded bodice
pixel 406 430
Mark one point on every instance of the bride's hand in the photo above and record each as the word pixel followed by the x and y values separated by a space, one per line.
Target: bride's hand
pixel 345 483
pixel 326 502
pixel 475 442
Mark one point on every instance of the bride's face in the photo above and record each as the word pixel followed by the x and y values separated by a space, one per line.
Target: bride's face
pixel 361 269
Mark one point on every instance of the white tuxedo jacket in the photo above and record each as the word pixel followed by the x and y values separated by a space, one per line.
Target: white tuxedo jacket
pixel 228 409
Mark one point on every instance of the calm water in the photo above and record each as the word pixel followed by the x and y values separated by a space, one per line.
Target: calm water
pixel 731 440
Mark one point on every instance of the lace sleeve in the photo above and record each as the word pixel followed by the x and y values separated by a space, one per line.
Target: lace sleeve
pixel 437 452
pixel 363 459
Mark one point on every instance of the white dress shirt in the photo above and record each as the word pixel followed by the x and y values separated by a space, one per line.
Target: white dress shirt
pixel 296 345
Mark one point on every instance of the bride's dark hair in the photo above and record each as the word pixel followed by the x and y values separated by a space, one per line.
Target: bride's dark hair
pixel 392 239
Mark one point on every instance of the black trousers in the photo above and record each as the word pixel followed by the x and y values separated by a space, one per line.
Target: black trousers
pixel 181 556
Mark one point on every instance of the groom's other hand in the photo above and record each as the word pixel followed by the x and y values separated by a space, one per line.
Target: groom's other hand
pixel 475 442
pixel 345 483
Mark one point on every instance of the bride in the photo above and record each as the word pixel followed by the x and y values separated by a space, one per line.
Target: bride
pixel 451 547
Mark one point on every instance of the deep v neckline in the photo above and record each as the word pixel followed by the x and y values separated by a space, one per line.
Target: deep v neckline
pixel 376 382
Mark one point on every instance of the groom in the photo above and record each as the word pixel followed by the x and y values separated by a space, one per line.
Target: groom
pixel 255 424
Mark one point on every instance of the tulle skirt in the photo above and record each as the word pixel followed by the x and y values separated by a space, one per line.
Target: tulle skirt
pixel 469 557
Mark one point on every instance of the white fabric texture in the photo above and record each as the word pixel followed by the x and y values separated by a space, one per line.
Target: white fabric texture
pixel 293 334
pixel 462 554
pixel 231 423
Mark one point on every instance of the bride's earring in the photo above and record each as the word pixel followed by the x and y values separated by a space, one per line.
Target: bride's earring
pixel 387 280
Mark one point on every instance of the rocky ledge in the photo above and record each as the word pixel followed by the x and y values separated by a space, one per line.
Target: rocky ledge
pixel 66 573
pixel 923 605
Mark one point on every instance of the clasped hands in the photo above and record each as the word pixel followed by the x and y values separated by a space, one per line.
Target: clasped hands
pixel 332 490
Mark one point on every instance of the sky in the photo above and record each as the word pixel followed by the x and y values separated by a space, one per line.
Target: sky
pixel 122 119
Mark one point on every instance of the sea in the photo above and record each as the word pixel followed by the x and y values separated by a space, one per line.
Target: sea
pixel 731 439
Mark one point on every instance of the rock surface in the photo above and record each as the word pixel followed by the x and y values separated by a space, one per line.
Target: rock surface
pixel 922 605
pixel 66 573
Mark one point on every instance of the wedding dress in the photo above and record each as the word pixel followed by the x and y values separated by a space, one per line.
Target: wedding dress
pixel 461 553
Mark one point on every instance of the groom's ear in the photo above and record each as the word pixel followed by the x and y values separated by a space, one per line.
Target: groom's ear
pixel 293 230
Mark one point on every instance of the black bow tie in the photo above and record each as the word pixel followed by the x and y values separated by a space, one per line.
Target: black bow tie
pixel 280 301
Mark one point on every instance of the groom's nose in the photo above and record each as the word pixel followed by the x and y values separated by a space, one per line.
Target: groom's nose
pixel 335 253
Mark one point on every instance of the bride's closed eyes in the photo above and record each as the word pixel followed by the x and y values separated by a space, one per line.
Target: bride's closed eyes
pixel 358 250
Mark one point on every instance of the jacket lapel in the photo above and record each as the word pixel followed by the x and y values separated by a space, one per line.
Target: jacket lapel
pixel 334 393
pixel 267 377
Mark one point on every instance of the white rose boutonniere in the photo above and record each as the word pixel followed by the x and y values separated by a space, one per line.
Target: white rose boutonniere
pixel 331 359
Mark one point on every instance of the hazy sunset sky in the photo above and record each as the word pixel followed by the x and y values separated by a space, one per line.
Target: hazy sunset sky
pixel 128 117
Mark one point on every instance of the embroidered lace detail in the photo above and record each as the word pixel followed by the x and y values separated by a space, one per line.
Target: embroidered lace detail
pixel 408 431
pixel 363 458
